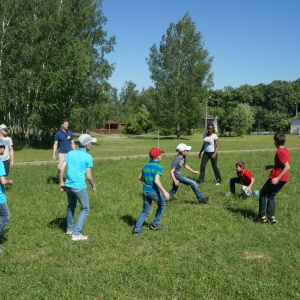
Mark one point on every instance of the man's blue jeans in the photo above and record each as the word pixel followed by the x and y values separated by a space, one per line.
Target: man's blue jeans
pixel 160 200
pixel 5 216
pixel 82 197
pixel 188 182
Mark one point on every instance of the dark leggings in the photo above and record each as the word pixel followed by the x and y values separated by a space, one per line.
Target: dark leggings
pixel 214 162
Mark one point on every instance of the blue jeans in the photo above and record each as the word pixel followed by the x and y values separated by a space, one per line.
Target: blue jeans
pixel 83 198
pixel 188 182
pixel 266 198
pixel 232 183
pixel 160 200
pixel 5 216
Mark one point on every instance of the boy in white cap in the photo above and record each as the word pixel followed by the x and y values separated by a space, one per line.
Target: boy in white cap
pixel 4 211
pixel 176 174
pixel 79 164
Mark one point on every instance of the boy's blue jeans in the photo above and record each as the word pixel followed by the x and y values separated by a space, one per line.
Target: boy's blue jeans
pixel 188 182
pixel 83 199
pixel 160 200
pixel 5 216
pixel 266 198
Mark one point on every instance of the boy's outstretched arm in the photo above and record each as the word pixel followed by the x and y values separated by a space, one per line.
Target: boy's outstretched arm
pixel 190 169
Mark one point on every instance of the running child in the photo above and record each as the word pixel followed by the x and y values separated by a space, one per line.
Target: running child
pixel 176 174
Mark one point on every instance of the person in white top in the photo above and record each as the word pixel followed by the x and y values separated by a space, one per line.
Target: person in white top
pixel 8 156
pixel 210 147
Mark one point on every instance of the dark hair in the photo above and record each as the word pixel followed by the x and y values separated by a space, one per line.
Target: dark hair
pixel 279 139
pixel 64 120
pixel 212 125
pixel 241 164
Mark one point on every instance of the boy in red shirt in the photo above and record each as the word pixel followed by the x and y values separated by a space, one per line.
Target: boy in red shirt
pixel 278 177
pixel 244 177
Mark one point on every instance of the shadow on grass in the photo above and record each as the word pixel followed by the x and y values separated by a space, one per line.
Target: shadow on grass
pixel 246 213
pixel 129 220
pixel 193 202
pixel 3 239
pixel 58 223
pixel 53 179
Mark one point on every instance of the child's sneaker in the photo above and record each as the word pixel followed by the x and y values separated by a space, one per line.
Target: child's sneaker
pixel 79 237
pixel 203 200
pixel 137 231
pixel 156 226
pixel 256 193
pixel 263 219
pixel 273 220
pixel 228 194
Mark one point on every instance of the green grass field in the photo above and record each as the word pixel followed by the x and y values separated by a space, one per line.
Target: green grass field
pixel 214 251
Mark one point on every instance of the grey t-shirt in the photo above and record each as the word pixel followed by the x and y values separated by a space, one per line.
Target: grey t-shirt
pixel 177 164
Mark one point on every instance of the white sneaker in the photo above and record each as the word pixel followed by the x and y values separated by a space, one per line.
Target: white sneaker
pixel 79 237
pixel 69 232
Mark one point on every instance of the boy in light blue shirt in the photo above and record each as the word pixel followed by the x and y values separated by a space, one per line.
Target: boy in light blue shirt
pixel 79 164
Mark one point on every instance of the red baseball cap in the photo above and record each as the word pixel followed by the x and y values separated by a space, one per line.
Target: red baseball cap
pixel 155 152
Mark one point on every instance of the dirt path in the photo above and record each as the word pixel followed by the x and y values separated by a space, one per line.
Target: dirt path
pixel 142 155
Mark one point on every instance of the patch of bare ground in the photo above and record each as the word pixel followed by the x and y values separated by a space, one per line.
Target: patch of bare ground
pixel 255 255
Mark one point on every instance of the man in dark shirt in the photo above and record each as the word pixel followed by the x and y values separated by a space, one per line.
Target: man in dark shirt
pixel 64 141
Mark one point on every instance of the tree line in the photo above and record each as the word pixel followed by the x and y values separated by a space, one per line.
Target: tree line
pixel 53 65
pixel 263 107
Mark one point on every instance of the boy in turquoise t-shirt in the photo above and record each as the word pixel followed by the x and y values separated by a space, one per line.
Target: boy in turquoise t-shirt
pixel 79 166
pixel 4 212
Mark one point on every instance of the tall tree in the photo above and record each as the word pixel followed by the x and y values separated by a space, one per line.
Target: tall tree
pixel 242 119
pixel 54 62
pixel 180 70
pixel 128 98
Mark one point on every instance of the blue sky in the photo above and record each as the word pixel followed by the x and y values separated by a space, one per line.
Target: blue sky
pixel 251 41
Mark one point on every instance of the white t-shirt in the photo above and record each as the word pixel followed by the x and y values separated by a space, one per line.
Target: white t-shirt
pixel 209 141
pixel 6 154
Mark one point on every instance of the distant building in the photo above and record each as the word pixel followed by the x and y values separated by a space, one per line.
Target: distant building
pixel 295 126
pixel 112 127
pixel 211 119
